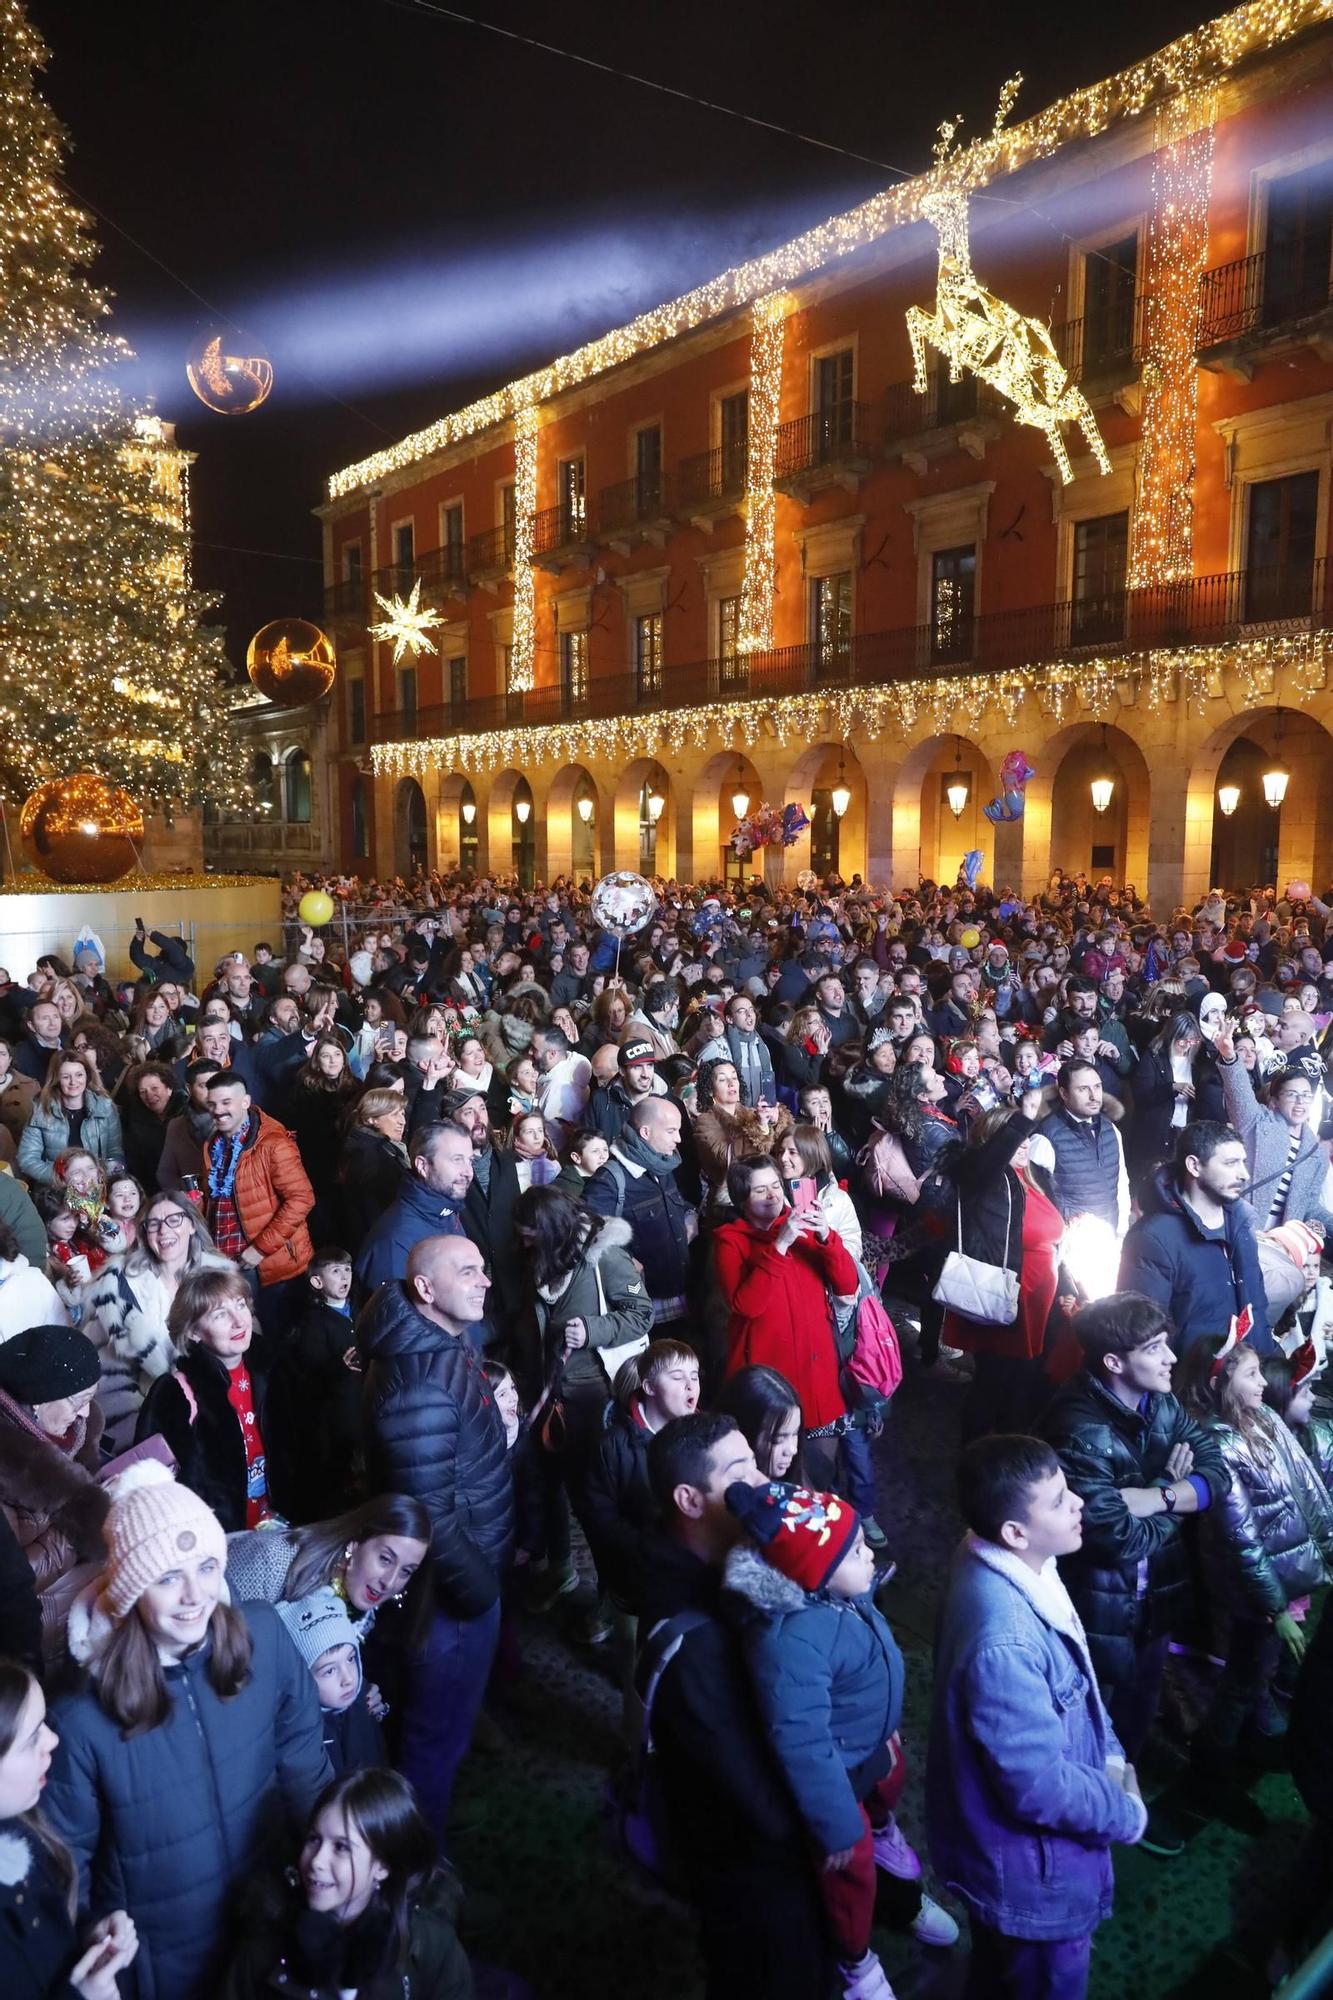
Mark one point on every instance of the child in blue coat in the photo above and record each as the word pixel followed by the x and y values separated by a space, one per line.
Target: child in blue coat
pixel 828 1680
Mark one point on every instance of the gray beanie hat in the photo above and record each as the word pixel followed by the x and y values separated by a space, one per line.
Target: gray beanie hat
pixel 317 1622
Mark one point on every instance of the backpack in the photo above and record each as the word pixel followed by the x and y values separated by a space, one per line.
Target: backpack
pixel 877 1362
pixel 617 1173
pixel 644 1831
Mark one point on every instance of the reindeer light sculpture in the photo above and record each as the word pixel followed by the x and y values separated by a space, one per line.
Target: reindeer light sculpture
pixel 973 329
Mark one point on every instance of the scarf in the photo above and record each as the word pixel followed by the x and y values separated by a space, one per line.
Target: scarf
pixel 634 1151
pixel 224 1157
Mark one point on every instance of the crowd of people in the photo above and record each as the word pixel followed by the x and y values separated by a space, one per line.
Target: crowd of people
pixel 368 1293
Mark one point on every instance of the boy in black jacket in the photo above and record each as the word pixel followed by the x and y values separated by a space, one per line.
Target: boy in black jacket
pixel 314 1398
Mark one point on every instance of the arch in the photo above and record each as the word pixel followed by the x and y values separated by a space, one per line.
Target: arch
pixel 572 842
pixel 410 851
pixel 297 800
pixel 457 839
pixel 1304 746
pixel 927 839
pixel 831 841
pixel 712 816
pixel 635 847
pixel 1061 829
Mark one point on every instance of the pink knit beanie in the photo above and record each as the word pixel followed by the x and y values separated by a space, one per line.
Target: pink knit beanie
pixel 152 1523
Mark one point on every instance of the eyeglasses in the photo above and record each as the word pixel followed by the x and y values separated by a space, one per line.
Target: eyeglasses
pixel 170 1225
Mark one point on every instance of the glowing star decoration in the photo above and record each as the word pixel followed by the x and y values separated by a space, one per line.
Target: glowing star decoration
pixel 755 634
pixel 406 626
pixel 973 329
pixel 231 384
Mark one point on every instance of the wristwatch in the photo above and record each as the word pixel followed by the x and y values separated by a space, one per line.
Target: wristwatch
pixel 1169 1499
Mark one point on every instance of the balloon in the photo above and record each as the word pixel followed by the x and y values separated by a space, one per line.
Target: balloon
pixel 315 908
pixel 971 870
pixel 623 903
pixel 1015 771
pixel 970 938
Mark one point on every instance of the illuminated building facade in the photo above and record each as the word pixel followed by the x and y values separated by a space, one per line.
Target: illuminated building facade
pixel 733 549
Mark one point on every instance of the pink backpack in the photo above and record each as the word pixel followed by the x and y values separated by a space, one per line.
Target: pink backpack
pixel 877 1361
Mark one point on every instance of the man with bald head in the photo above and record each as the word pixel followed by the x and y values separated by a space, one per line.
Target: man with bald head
pixel 432 1430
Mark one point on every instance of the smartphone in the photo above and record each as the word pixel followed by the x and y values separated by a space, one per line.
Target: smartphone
pixel 804 1192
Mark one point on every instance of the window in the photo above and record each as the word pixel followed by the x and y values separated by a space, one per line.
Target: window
pixel 352 562
pixel 360 844
pixel 571 487
pixel 953 577
pixel 1280 547
pixel 1101 556
pixel 648 468
pixel 833 398
pixel 456 680
pixel 451 540
pixel 574 668
pixel 1108 303
pixel 356 711
pixel 1298 244
pixel 508 506
pixel 404 555
pixel 648 653
pixel 734 670
pixel 831 620
pixel 734 438
pixel 407 700
pixel 262 779
pixel 296 777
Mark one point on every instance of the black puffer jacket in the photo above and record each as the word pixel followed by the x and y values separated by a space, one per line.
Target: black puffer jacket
pixel 431 1429
pixel 616 1501
pixel 1103 1445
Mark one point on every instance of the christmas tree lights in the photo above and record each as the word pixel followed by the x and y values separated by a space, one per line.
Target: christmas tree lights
pixel 102 662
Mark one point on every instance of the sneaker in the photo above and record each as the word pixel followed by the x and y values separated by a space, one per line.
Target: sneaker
pixel 874 1534
pixel 865 1980
pixel 894 1853
pixel 548 1586
pixel 1162 1836
pixel 594 1626
pixel 933 1925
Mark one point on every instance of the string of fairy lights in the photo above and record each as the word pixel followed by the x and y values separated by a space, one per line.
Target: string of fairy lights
pixel 755 633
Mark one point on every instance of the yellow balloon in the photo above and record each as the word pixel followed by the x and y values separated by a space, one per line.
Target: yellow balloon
pixel 315 908
pixel 970 938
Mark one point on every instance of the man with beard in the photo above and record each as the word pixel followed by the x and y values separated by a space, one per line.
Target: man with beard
pixel 1193 1250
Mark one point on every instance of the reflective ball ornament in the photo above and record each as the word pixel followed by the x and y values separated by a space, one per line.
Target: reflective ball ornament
pixel 229 381
pixel 623 902
pixel 315 908
pixel 81 829
pixel 291 661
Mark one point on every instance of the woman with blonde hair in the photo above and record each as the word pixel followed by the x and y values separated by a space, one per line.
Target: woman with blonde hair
pixel 372 1161
pixel 72 1109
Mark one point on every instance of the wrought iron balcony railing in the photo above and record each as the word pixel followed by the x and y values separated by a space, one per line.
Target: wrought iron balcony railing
pixel 907 413
pixel 1103 343
pixel 712 476
pixel 1257 294
pixel 1205 610
pixel 836 436
pixel 562 527
pixel 492 550
pixel 345 602
pixel 632 504
pixel 442 572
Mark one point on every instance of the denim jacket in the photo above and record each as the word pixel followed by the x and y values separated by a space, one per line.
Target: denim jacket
pixel 1021 1807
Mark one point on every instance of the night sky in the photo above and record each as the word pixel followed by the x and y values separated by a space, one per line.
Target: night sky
pixel 407 210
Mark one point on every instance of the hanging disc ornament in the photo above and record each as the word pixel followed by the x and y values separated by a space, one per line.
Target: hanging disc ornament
pixel 229 372
pixel 81 829
pixel 291 661
pixel 622 903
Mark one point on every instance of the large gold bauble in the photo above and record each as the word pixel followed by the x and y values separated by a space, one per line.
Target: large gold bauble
pixel 232 383
pixel 291 661
pixel 81 829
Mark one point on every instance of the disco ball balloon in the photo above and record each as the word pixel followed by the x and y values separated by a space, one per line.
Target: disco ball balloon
pixel 81 829
pixel 231 383
pixel 622 903
pixel 291 661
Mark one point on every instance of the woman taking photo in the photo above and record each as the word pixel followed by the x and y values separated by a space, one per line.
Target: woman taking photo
pixel 49 1433
pixel 803 1154
pixel 125 1314
pixel 208 1713
pixel 372 1162
pixel 365 1911
pixel 40 1956
pixel 1175 1082
pixel 72 1109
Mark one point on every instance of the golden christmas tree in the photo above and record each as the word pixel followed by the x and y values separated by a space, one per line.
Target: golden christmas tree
pixel 104 664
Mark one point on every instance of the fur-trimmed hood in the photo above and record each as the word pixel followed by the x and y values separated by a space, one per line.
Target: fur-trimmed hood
pixel 765 1589
pixel 42 1485
pixel 614 1234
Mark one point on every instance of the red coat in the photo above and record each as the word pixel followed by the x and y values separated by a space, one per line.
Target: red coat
pixel 780 1311
pixel 273 1197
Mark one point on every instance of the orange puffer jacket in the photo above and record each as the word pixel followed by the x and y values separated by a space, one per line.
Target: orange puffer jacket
pixel 273 1198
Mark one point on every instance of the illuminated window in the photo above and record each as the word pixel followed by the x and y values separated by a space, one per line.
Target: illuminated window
pixel 734 438
pixel 648 653
pixel 1101 557
pixel 953 576
pixel 572 488
pixel 574 668
pixel 734 670
pixel 831 619
pixel 833 397
pixel 456 680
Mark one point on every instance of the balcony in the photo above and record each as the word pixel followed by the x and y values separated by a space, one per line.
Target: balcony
pixel 832 447
pixel 442 574
pixel 345 608
pixel 1207 610
pixel 393 580
pixel 490 556
pixel 562 538
pixel 710 487
pixel 637 510
pixel 1103 351
pixel 966 415
pixel 1262 305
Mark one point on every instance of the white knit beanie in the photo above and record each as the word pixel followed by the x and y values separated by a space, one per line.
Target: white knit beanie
pixel 318 1622
pixel 152 1523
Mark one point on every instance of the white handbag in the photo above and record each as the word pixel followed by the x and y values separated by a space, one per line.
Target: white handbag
pixel 611 1358
pixel 975 1289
